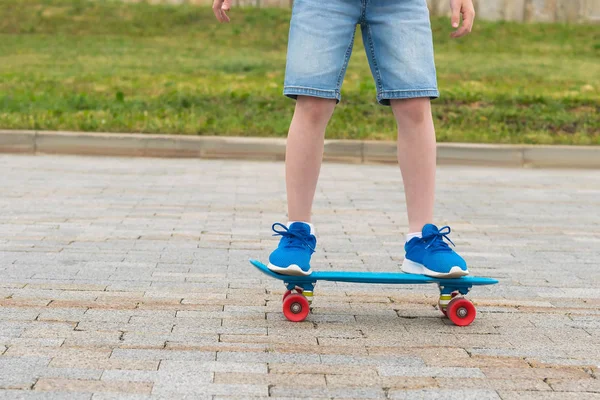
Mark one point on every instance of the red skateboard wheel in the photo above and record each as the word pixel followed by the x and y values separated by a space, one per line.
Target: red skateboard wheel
pixel 296 307
pixel 461 311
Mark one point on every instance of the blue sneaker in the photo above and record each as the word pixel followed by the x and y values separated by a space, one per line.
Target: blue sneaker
pixel 292 256
pixel 430 255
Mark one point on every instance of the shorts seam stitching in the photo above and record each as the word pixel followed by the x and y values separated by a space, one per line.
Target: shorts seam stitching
pixel 305 90
pixel 407 90
pixel 372 49
pixel 346 60
pixel 308 87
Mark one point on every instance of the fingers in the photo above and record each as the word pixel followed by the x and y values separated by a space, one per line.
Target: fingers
pixel 224 16
pixel 224 8
pixel 219 9
pixel 467 23
pixel 455 19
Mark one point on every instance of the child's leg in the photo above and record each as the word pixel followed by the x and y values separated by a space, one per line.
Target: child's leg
pixel 304 153
pixel 303 156
pixel 428 255
pixel 417 158
pixel 398 41
pixel 319 47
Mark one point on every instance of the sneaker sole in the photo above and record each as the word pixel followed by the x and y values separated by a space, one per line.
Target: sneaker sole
pixel 293 270
pixel 411 267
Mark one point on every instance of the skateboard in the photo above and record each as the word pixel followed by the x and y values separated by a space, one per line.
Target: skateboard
pixel 299 294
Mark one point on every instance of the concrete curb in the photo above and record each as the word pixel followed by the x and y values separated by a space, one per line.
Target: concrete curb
pixel 351 151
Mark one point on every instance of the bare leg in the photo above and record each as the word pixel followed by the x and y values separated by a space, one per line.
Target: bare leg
pixel 417 158
pixel 304 153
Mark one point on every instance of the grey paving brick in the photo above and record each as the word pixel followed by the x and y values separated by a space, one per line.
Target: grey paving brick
pixel 228 330
pixel 528 395
pixel 192 396
pixel 61 314
pixel 129 376
pixel 20 372
pixel 405 361
pixel 223 314
pixel 442 394
pixel 121 396
pixel 15 314
pixel 93 339
pixel 192 387
pixel 354 393
pixel 267 357
pixel 214 366
pixel 144 354
pixel 107 315
pixel 71 373
pixel 11 328
pixel 30 395
pixel 442 372
pixel 31 342
pixel 218 397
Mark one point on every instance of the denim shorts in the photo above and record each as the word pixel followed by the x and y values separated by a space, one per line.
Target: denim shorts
pixel 397 38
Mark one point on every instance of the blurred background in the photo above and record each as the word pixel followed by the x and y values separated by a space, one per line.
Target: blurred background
pixel 528 73
pixel 509 10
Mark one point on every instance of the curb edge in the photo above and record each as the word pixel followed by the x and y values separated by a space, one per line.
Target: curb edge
pixel 257 148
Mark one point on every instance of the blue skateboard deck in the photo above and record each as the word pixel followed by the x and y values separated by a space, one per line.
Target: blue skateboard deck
pixel 373 277
pixel 296 300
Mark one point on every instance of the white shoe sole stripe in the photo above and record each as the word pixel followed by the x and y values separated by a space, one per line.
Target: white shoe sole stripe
pixel 293 270
pixel 411 267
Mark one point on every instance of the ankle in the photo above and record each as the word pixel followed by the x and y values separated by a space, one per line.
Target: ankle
pixel 415 229
pixel 410 236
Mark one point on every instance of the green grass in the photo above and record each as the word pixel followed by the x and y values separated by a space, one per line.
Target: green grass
pixel 107 66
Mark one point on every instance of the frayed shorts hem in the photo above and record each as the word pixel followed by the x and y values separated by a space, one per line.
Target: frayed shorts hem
pixel 294 91
pixel 385 96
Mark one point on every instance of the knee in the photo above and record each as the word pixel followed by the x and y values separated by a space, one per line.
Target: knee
pixel 412 111
pixel 315 110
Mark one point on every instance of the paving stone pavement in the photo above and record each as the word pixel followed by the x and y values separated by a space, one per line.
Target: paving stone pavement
pixel 128 278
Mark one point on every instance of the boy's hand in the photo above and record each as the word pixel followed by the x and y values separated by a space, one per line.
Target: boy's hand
pixel 220 7
pixel 466 9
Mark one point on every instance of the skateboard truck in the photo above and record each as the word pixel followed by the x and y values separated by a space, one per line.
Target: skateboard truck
pixel 306 290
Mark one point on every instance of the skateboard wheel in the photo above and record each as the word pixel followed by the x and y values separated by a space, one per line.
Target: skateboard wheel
pixel 461 311
pixel 296 307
